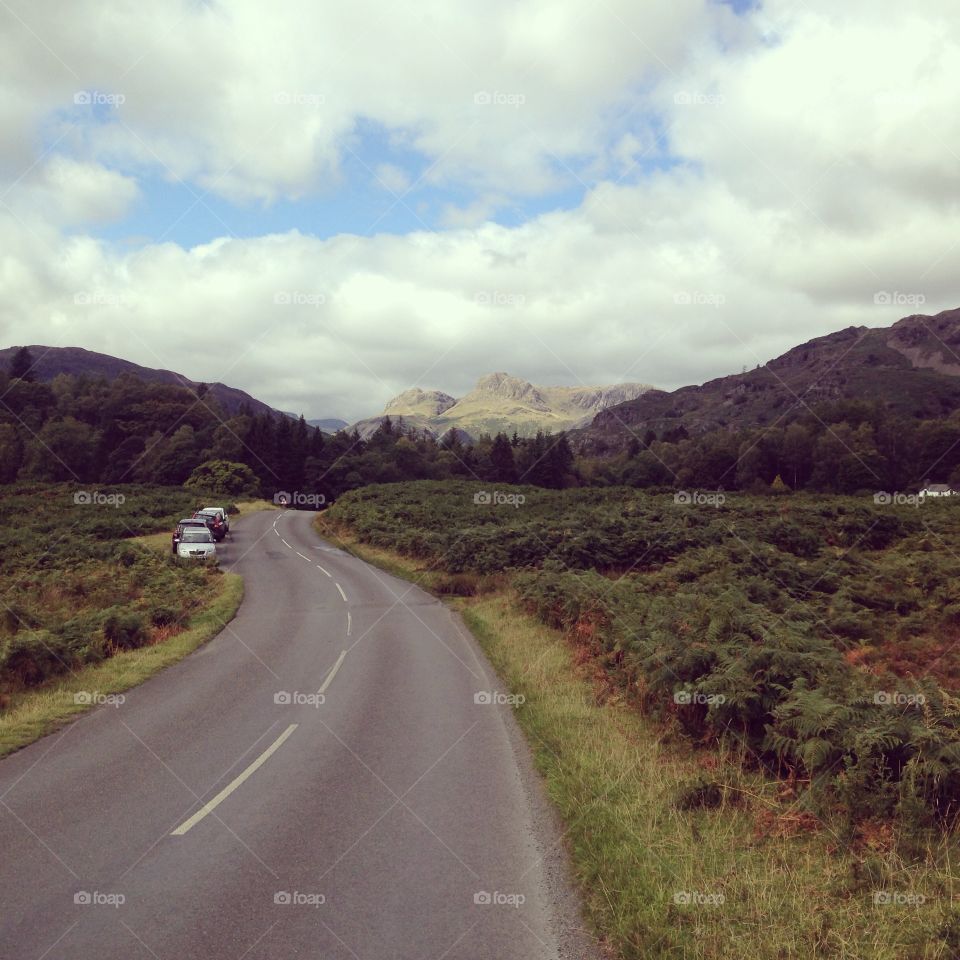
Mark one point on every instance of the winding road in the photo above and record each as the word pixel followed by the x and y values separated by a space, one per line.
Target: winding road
pixel 333 776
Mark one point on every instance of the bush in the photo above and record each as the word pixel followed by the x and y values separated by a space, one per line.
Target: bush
pixel 31 657
pixel 125 630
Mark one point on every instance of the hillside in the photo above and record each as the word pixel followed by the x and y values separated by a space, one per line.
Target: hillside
pixel 912 368
pixel 50 362
pixel 501 403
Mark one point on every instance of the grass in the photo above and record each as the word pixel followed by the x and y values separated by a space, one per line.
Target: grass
pixel 763 880
pixel 32 712
pixel 35 713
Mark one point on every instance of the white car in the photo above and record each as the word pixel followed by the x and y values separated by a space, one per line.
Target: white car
pixel 196 543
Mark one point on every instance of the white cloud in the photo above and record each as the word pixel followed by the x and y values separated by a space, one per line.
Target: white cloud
pixel 813 163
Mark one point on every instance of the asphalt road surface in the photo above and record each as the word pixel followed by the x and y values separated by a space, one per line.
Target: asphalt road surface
pixel 333 776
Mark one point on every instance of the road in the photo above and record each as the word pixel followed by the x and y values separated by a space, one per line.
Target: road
pixel 326 778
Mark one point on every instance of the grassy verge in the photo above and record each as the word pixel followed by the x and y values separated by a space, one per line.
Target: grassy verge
pixel 35 713
pixel 31 713
pixel 671 866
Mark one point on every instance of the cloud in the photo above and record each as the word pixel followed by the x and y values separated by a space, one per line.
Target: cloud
pixel 748 182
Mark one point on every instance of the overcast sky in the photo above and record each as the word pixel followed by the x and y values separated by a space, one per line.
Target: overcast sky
pixel 327 203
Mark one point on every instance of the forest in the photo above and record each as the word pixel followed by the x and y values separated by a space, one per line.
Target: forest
pixel 127 431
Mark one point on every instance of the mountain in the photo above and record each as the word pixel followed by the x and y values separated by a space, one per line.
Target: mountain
pixel 912 367
pixel 501 403
pixel 327 425
pixel 50 362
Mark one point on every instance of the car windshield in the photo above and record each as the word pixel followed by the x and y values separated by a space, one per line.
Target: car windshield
pixel 193 535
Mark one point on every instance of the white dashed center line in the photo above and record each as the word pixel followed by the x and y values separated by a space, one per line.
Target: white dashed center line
pixel 230 787
pixel 333 672
pixel 327 572
pixel 342 594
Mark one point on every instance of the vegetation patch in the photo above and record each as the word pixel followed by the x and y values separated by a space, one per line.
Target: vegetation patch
pixel 85 590
pixel 686 852
pixel 794 632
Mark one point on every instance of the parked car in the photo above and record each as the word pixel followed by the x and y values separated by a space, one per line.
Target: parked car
pixel 197 543
pixel 214 522
pixel 223 515
pixel 195 522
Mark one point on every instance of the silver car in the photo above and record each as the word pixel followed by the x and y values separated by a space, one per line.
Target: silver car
pixel 196 543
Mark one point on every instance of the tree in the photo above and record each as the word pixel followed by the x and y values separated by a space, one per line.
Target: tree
pixel 11 453
pixel 224 477
pixel 21 365
pixel 62 450
pixel 503 467
pixel 796 455
pixel 559 462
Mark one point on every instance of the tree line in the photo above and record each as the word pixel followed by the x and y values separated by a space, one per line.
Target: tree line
pixel 90 430
pixel 85 429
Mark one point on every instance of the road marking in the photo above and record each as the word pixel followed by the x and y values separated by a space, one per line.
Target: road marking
pixel 342 594
pixel 302 557
pixel 349 623
pixel 327 572
pixel 284 542
pixel 276 531
pixel 333 672
pixel 230 787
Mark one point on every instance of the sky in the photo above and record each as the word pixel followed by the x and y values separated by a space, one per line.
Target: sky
pixel 327 204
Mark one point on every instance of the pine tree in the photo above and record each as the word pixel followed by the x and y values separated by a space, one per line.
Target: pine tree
pixel 504 469
pixel 21 365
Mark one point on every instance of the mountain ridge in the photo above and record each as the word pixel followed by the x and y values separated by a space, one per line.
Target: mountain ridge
pixel 499 403
pixel 50 362
pixel 912 366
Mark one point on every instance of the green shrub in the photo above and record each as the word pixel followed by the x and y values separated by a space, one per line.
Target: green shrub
pixel 125 630
pixel 31 657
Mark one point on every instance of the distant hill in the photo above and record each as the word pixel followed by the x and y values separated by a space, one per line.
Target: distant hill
pixel 328 425
pixel 501 403
pixel 912 367
pixel 50 362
